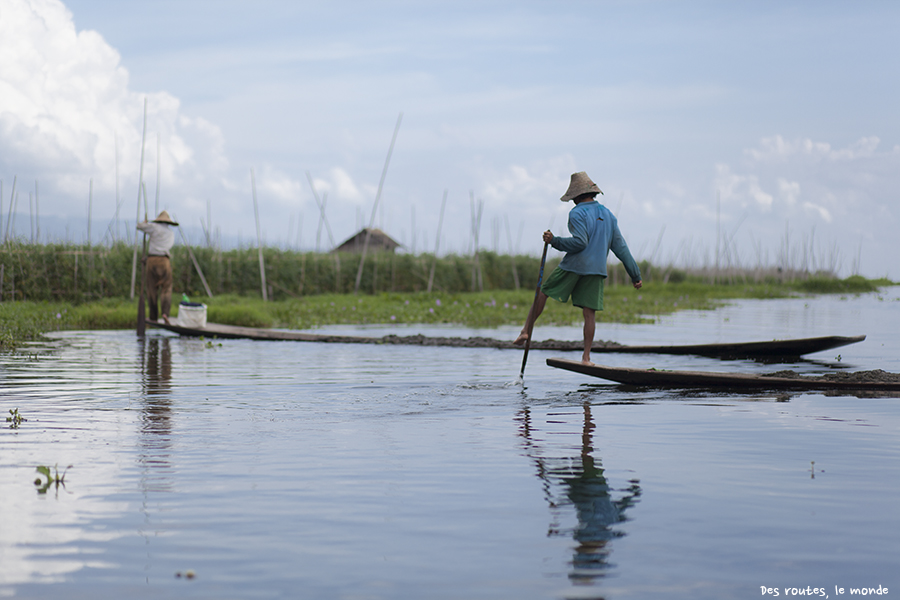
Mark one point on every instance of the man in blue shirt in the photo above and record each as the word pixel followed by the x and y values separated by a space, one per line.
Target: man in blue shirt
pixel 581 273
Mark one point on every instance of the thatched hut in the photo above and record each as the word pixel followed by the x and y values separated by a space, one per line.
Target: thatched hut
pixel 379 241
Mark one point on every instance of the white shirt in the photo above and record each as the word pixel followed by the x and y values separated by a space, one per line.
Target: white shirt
pixel 161 238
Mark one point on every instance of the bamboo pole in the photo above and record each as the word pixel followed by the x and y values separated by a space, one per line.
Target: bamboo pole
pixel 90 201
pixel 137 216
pixel 262 264
pixel 89 241
pixel 511 254
pixel 37 211
pixel 12 196
pixel 387 161
pixel 322 217
pixel 477 279
pixel 156 210
pixel 437 242
pixel 142 308
pixel 196 264
pixel 118 200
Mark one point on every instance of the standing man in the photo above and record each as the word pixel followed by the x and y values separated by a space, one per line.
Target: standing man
pixel 581 273
pixel 159 265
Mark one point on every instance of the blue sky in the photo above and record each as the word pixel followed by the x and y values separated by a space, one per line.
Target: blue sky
pixel 784 111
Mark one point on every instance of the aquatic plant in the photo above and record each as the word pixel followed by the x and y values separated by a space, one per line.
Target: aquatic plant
pixel 15 419
pixel 53 478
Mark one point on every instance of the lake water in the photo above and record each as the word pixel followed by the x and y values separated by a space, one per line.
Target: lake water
pixel 301 470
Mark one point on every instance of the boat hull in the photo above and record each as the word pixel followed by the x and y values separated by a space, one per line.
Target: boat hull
pixel 866 380
pixel 773 348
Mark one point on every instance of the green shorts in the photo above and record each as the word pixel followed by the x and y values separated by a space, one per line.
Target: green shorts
pixel 586 290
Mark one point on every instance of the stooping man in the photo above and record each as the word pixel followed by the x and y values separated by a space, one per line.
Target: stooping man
pixel 581 273
pixel 159 264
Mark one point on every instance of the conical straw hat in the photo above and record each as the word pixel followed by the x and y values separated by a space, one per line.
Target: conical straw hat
pixel 164 218
pixel 580 184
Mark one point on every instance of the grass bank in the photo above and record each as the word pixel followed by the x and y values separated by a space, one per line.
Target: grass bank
pixel 22 321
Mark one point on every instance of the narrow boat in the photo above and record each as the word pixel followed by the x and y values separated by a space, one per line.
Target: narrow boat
pixel 772 348
pixel 781 380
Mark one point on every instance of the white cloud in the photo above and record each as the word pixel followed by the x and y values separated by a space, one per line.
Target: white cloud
pixel 741 190
pixel 529 186
pixel 777 149
pixel 788 191
pixel 822 212
pixel 66 111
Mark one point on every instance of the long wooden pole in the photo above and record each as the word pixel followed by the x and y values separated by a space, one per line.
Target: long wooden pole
pixel 142 314
pixel 196 264
pixel 322 217
pixel 37 211
pixel 531 321
pixel 512 255
pixel 437 242
pixel 90 202
pixel 118 200
pixel 387 161
pixel 156 210
pixel 262 264
pixel 12 196
pixel 137 217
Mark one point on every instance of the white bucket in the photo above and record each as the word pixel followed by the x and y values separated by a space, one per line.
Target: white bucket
pixel 192 316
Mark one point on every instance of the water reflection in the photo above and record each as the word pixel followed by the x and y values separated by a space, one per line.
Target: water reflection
pixel 156 413
pixel 577 481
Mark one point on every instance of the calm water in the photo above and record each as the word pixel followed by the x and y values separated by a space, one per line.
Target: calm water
pixel 296 470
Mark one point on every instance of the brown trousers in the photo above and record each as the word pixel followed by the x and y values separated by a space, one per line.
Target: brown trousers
pixel 159 285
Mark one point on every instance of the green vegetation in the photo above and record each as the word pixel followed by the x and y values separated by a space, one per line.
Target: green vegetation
pixel 46 288
pixel 28 320
pixel 52 478
pixel 15 419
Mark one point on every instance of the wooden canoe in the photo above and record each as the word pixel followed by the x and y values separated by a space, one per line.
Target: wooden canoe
pixel 773 348
pixel 783 380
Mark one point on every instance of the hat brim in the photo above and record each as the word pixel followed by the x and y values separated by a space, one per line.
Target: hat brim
pixel 595 190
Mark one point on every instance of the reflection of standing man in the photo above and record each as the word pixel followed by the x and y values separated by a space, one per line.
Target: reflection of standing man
pixel 580 482
pixel 159 265
pixel 588 489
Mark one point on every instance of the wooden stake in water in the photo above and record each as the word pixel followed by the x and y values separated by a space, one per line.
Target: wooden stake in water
pixel 322 218
pixel 387 161
pixel 156 212
pixel 90 202
pixel 37 211
pixel 512 254
pixel 437 242
pixel 187 245
pixel 262 264
pixel 118 200
pixel 138 212
pixel 142 314
pixel 12 196
pixel 537 291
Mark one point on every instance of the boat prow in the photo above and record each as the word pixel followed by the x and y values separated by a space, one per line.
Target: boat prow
pixel 786 380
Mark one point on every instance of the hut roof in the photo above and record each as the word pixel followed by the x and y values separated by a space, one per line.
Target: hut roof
pixel 379 241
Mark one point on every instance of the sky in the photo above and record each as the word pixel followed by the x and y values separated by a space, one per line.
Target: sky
pixel 752 134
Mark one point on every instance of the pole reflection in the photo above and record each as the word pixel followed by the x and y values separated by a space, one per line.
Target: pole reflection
pixel 576 481
pixel 156 413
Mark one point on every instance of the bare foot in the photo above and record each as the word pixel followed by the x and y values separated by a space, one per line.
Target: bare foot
pixel 519 341
pixel 587 362
pixel 166 319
